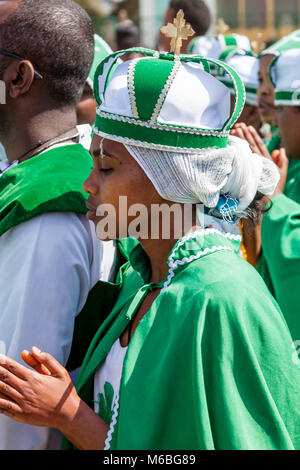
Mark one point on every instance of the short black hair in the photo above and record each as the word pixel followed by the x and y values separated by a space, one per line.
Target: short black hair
pixel 57 37
pixel 196 13
pixel 127 36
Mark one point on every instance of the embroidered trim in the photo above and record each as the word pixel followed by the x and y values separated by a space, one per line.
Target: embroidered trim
pixel 165 91
pixel 159 126
pixel 131 89
pixel 171 273
pixel 139 143
pixel 173 265
pixel 112 424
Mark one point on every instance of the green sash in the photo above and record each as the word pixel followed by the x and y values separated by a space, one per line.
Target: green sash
pixel 50 182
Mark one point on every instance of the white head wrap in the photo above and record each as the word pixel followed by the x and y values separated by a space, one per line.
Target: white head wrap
pixel 203 177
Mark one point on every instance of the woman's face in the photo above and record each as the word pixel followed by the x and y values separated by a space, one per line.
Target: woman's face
pixel 116 175
pixel 265 91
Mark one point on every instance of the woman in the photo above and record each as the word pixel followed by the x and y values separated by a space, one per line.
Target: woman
pixel 195 353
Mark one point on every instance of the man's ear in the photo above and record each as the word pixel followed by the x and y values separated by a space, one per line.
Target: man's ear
pixel 18 77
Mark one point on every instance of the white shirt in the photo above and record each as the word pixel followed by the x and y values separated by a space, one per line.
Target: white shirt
pixel 107 381
pixel 47 267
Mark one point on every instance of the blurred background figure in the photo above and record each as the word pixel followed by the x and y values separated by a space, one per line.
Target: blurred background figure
pixel 127 34
pixel 196 13
pixel 246 65
pixel 86 108
pixel 213 46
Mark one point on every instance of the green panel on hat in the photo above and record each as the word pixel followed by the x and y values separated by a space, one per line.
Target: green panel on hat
pixel 148 82
pixel 291 41
pixel 159 71
pixel 101 50
pixel 155 136
pixel 230 40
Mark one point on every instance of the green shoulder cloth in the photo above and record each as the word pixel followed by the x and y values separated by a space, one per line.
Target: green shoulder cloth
pixel 50 182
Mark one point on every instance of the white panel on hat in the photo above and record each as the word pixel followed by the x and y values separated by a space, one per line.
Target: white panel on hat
pixel 287 70
pixel 116 95
pixel 196 99
pixel 208 47
pixel 247 67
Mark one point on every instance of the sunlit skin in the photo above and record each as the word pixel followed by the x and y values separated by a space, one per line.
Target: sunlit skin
pixel 265 91
pixel 86 108
pixel 287 119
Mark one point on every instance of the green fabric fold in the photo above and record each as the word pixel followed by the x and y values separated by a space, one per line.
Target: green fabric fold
pixel 50 182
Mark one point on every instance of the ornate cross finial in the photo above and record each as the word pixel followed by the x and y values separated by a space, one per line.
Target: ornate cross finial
pixel 258 44
pixel 178 30
pixel 222 27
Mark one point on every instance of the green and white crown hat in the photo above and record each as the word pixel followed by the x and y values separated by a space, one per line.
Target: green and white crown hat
pixel 285 76
pixel 291 41
pixel 246 64
pixel 212 46
pixel 164 101
pixel 102 50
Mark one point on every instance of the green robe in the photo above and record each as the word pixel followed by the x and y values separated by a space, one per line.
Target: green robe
pixel 49 182
pixel 279 264
pixel 210 364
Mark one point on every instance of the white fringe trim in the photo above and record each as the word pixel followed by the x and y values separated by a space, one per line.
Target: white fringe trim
pixel 112 424
pixel 139 143
pixel 173 265
pixel 158 126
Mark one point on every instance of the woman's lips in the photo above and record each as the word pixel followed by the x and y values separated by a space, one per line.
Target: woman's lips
pixel 91 215
pixel 266 106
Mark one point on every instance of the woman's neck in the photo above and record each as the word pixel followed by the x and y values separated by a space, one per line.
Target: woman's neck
pixel 158 251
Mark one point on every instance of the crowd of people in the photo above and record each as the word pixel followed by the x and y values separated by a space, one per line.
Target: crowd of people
pixel 118 331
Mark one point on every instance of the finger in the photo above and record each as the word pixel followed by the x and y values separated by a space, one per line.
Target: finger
pixel 9 407
pixel 49 361
pixel 32 362
pixel 259 142
pixel 283 156
pixel 9 392
pixel 6 377
pixel 240 133
pixel 250 140
pixel 13 367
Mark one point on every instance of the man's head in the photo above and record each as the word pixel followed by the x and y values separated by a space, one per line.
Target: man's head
pixel 196 13
pixel 55 37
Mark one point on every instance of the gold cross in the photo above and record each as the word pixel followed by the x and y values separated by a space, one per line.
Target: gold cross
pixel 177 31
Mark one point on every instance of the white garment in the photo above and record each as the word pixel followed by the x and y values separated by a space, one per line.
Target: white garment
pixel 109 373
pixel 2 153
pixel 47 267
pixel 205 176
pixel 85 135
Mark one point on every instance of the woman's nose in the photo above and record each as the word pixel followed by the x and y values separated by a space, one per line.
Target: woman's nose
pixel 90 185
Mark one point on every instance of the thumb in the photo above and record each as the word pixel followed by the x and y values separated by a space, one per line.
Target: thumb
pixel 48 361
pixel 279 158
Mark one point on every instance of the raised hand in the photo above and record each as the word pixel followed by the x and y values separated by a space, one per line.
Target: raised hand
pixel 281 161
pixel 43 398
pixel 253 138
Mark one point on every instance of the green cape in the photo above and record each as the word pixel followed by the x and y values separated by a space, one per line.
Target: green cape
pixel 209 366
pixel 279 264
